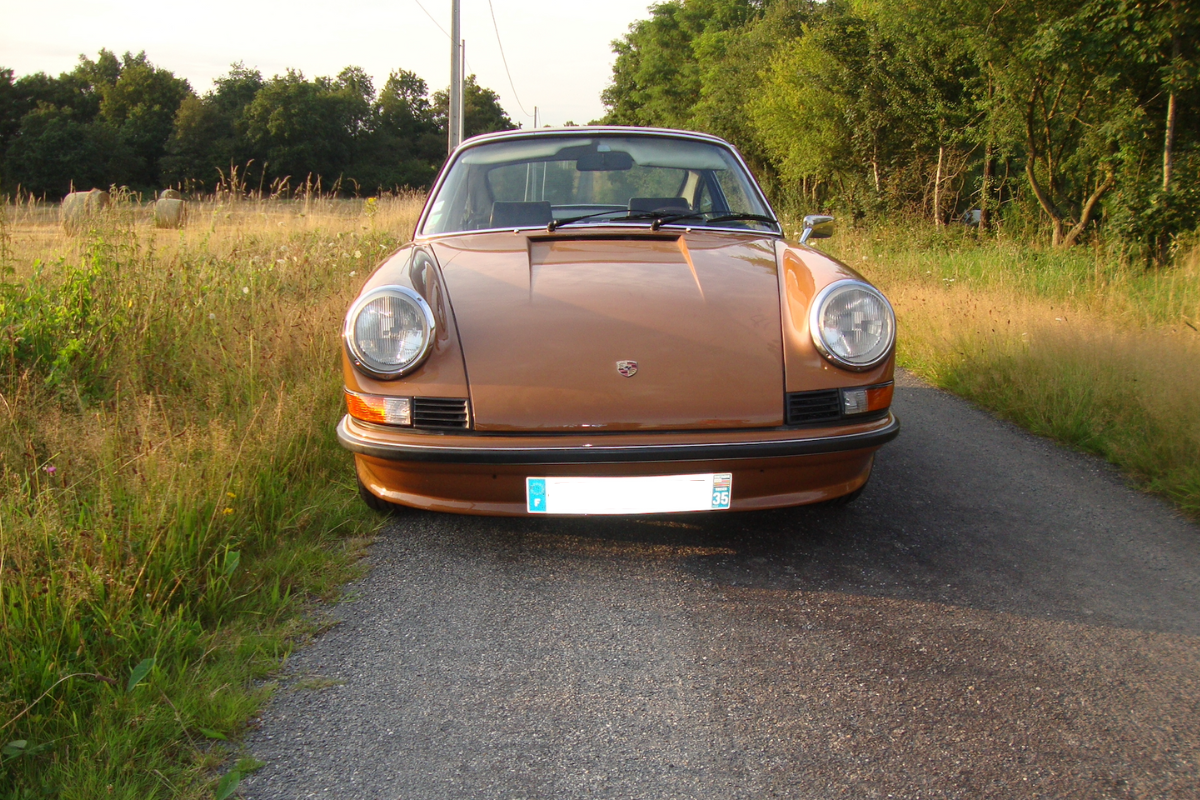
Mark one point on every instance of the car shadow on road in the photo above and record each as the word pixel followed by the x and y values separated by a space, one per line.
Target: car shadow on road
pixel 962 509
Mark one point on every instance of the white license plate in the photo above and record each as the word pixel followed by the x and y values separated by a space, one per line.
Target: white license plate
pixel 657 494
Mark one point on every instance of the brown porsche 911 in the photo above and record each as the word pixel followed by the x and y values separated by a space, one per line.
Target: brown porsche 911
pixel 610 320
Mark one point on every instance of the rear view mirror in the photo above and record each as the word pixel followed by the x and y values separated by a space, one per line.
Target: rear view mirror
pixel 817 226
pixel 610 161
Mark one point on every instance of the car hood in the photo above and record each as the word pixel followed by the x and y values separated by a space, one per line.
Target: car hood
pixel 546 321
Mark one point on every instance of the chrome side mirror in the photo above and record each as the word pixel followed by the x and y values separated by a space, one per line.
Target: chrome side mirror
pixel 817 226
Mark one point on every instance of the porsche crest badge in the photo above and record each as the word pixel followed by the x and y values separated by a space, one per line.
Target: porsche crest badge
pixel 627 368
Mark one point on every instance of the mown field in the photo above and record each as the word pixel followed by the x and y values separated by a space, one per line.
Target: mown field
pixel 172 497
pixel 171 491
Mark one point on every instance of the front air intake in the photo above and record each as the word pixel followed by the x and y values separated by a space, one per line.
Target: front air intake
pixel 442 413
pixel 806 408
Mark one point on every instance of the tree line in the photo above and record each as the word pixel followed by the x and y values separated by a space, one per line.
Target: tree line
pixel 122 121
pixel 1066 115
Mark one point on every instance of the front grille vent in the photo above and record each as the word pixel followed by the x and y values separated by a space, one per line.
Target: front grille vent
pixel 444 413
pixel 805 408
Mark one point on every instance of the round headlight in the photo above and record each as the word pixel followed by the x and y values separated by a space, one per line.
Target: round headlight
pixel 389 331
pixel 852 324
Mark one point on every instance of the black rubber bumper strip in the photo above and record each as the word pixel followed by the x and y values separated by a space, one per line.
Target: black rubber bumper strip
pixel 616 454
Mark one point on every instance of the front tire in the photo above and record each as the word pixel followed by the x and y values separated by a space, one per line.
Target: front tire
pixel 376 504
pixel 844 500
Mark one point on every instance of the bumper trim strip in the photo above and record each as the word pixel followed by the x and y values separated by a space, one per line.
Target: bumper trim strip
pixel 617 454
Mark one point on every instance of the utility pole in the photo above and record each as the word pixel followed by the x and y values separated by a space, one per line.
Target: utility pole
pixel 454 118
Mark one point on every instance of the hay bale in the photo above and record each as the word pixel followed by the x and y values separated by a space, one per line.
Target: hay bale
pixel 78 208
pixel 169 210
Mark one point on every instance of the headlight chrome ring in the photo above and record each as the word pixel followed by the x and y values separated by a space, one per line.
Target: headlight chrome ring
pixel 389 331
pixel 852 325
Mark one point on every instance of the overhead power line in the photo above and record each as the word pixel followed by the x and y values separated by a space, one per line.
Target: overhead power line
pixel 512 85
pixel 445 33
pixel 432 18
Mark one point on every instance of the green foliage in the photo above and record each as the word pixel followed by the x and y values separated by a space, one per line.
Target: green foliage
pixel 104 123
pixel 56 150
pixel 171 494
pixel 304 128
pixel 405 144
pixel 210 132
pixel 661 63
pixel 140 106
pixel 58 329
pixel 125 122
pixel 1053 111
pixel 481 110
pixel 228 785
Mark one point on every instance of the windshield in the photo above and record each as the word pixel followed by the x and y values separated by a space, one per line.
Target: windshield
pixel 596 179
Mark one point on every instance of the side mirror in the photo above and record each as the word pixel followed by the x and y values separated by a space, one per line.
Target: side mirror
pixel 817 226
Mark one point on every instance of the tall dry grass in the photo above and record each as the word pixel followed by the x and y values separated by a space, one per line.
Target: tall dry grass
pixel 171 491
pixel 1069 344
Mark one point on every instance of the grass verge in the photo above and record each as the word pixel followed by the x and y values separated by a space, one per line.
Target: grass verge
pixel 1067 344
pixel 171 492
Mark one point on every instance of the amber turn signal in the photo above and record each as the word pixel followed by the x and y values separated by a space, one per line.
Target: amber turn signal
pixel 866 399
pixel 380 410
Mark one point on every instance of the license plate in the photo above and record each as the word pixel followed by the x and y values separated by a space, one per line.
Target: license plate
pixel 657 494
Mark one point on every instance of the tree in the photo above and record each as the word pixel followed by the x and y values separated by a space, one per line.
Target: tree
pixel 405 146
pixel 55 150
pixel 209 137
pixel 140 107
pixel 734 66
pixel 303 129
pixel 482 112
pixel 1064 85
pixel 661 64
pixel 10 108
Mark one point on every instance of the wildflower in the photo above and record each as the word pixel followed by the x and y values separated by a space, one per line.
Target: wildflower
pixel 358 253
pixel 231 495
pixel 227 511
pixel 50 469
pixel 212 316
pixel 353 272
pixel 245 290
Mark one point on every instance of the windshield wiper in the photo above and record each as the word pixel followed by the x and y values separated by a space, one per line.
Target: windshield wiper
pixel 661 217
pixel 669 218
pixel 558 223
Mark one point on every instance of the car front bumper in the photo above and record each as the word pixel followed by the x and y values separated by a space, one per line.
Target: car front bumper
pixel 476 473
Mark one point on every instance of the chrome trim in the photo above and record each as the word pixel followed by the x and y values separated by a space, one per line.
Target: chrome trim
pixel 817 308
pixel 633 228
pixel 583 130
pixel 352 348
pixel 443 450
pixel 815 227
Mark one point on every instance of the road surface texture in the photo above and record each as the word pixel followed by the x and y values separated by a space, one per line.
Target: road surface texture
pixel 995 617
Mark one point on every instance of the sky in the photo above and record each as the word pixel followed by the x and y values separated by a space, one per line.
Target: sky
pixel 559 51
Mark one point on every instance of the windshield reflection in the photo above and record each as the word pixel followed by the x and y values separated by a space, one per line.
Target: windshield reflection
pixel 597 179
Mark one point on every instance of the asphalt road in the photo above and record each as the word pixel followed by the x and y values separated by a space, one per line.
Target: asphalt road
pixel 995 617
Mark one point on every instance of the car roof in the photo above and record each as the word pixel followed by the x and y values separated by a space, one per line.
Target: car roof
pixel 592 130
